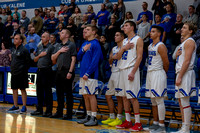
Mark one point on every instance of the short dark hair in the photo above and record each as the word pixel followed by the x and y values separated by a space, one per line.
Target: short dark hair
pixel 158 28
pixel 21 37
pixel 94 28
pixel 158 14
pixel 6 44
pixel 23 11
pixel 146 15
pixel 53 35
pixel 192 6
pixel 37 10
pixel 131 24
pixel 121 32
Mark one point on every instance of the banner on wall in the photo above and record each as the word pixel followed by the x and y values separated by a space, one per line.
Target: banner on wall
pixel 29 4
pixel 31 91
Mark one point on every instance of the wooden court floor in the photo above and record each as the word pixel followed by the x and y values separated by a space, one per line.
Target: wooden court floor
pixel 25 123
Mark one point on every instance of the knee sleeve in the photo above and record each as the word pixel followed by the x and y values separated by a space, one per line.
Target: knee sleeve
pixel 153 101
pixel 185 102
pixel 161 108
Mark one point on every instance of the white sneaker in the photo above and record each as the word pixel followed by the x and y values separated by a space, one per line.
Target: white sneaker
pixel 184 129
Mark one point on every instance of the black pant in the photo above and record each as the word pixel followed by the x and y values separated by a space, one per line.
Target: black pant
pixel 64 85
pixel 44 78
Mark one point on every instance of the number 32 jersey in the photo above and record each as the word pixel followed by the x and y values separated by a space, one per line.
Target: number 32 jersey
pixel 129 57
pixel 154 59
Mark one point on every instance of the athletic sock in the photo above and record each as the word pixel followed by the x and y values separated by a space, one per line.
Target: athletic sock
pixel 94 114
pixel 112 115
pixel 137 117
pixel 128 116
pixel 119 116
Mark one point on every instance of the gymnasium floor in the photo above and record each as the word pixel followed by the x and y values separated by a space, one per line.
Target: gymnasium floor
pixel 25 123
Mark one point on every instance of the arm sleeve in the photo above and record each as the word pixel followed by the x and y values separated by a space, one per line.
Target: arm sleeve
pixel 95 60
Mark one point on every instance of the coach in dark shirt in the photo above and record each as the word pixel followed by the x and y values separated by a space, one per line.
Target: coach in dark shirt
pixel 20 64
pixel 44 76
pixel 65 57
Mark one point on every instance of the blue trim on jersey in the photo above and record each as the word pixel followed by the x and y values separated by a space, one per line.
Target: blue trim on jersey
pixel 96 89
pixel 164 92
pixel 87 89
pixel 183 92
pixel 157 43
pixel 192 90
pixel 155 93
pixel 131 93
pixel 118 90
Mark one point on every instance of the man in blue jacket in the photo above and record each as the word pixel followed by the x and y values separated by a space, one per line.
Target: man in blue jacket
pixel 89 56
pixel 102 17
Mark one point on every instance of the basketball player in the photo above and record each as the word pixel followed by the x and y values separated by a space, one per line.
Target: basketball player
pixel 185 79
pixel 156 81
pixel 113 84
pixel 89 56
pixel 130 56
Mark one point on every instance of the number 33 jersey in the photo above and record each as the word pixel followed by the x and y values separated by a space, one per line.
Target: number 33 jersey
pixel 154 59
pixel 129 57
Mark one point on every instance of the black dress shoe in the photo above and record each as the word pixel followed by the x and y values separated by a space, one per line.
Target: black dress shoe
pixel 57 115
pixel 37 112
pixel 47 114
pixel 66 117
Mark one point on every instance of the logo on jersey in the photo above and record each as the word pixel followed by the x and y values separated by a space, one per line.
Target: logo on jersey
pixel 124 56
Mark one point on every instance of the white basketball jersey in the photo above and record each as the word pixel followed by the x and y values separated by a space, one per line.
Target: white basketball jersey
pixel 115 62
pixel 129 57
pixel 180 59
pixel 155 61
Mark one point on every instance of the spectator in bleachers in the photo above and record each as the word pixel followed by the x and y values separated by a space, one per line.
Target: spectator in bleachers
pixel 4 16
pixel 61 9
pixel 143 32
pixel 37 22
pixel 24 21
pixel 72 6
pixel 53 8
pixel 176 32
pixel 158 23
pixel 77 16
pixel 128 17
pixel 8 30
pixel 47 15
pixel 169 20
pixel 79 33
pixel 5 54
pixel 16 12
pixel 109 5
pixel 110 32
pixel 145 11
pixel 15 18
pixel 174 6
pixel 115 11
pixel 57 32
pixel 143 29
pixel 192 17
pixel 51 23
pixel 61 20
pixel 33 40
pixel 102 17
pixel 42 14
pixel 158 7
pixel 121 10
pixel 53 40
pixel 22 32
pixel 66 13
pixel 90 13
pixel 8 11
pixel 71 27
pixel 29 29
pixel 16 30
pixel 2 29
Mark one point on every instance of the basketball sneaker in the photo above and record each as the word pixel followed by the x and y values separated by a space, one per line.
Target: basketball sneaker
pixel 13 109
pixel 115 122
pixel 125 124
pixel 137 127
pixel 109 120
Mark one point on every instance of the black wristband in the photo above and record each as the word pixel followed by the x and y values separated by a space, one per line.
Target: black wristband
pixel 70 72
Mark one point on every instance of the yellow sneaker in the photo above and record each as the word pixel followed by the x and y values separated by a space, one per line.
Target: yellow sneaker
pixel 115 122
pixel 107 121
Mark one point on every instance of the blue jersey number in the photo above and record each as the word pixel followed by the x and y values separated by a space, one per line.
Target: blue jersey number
pixel 115 63
pixel 124 56
pixel 150 60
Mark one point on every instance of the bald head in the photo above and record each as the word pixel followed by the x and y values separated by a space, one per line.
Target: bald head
pixel 45 38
